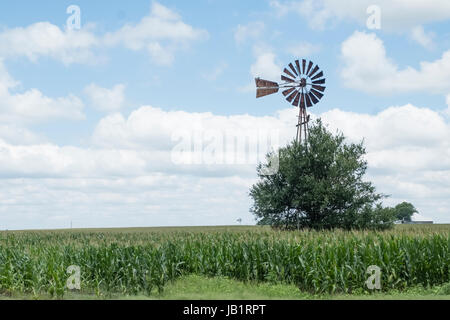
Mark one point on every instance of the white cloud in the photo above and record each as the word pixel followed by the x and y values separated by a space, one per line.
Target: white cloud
pixel 281 8
pixel 398 15
pixel 408 154
pixel 423 38
pixel 152 200
pixel 45 39
pixel 48 160
pixel 161 33
pixel 367 67
pixel 161 56
pixel 17 135
pixel 216 72
pixel 32 105
pixel 128 168
pixel 303 49
pixel 250 31
pixel 150 128
pixel 106 99
pixel 266 66
pixel 393 129
pixel 447 100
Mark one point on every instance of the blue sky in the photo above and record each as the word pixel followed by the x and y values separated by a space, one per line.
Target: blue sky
pixel 87 116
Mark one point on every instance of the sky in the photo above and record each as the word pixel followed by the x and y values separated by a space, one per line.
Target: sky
pixel 143 113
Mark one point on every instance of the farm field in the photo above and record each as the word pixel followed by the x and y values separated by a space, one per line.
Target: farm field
pixel 244 262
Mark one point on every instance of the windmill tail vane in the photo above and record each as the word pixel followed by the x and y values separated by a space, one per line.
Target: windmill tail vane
pixel 302 87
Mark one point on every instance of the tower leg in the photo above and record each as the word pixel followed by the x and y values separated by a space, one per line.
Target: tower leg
pixel 299 126
pixel 305 124
pixel 302 126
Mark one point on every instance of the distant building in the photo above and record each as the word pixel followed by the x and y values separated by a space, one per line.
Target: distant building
pixel 419 219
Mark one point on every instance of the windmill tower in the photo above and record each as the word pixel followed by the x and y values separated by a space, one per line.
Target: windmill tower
pixel 303 88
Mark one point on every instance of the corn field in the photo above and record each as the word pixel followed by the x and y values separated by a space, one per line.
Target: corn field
pixel 144 261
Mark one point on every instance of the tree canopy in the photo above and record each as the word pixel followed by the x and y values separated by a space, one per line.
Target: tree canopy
pixel 404 211
pixel 319 186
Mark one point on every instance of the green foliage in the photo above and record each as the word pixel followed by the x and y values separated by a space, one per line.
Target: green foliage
pixel 319 186
pixel 145 262
pixel 404 211
pixel 445 289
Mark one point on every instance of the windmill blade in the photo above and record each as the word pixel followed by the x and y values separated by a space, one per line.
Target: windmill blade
pixel 309 67
pixel 316 93
pixel 317 76
pixel 297 99
pixel 261 83
pixel 287 79
pixel 302 100
pixel 288 91
pixel 320 88
pixel 316 68
pixel 261 92
pixel 313 98
pixel 308 101
pixel 304 66
pixel 293 69
pixel 291 96
pixel 288 73
pixel 297 64
pixel 321 81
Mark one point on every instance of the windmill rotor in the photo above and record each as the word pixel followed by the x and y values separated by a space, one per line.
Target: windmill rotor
pixel 302 86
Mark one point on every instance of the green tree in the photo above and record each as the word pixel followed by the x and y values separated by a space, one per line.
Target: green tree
pixel 404 211
pixel 319 186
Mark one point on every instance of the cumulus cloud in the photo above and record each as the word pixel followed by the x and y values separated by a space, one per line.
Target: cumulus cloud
pixel 106 99
pixel 303 49
pixel 18 135
pixel 45 39
pixel 152 200
pixel 160 55
pixel 447 111
pixel 368 68
pixel 32 105
pixel 408 127
pixel 145 142
pixel 425 39
pixel 249 31
pixel 216 72
pixel 408 154
pixel 48 160
pixel 396 15
pixel 129 167
pixel 160 34
pixel 153 129
pixel 265 66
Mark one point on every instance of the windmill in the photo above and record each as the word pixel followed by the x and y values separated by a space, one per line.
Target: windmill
pixel 303 87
